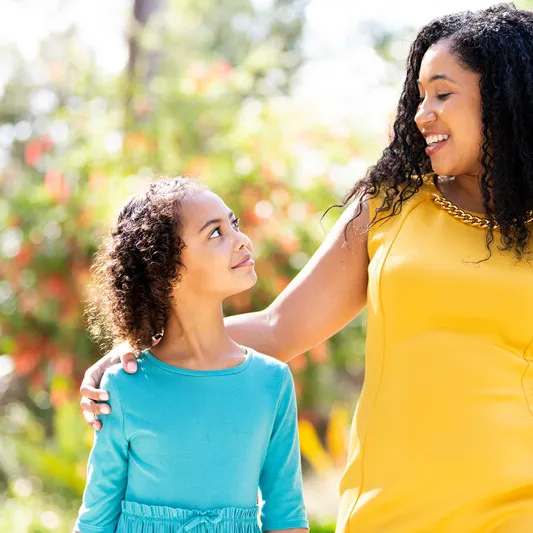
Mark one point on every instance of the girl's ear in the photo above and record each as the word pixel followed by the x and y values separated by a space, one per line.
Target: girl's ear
pixel 157 337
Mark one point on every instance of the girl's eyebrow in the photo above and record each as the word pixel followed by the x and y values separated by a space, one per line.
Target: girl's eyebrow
pixel 231 215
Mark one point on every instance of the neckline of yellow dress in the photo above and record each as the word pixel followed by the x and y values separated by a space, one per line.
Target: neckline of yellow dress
pixel 467 217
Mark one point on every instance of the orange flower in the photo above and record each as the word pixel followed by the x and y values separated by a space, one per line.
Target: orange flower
pixel 198 167
pixel 240 302
pixel 290 243
pixel 319 354
pixel 56 185
pixel 297 387
pixel 84 218
pixel 298 364
pixel 281 282
pixel 59 396
pixel 97 180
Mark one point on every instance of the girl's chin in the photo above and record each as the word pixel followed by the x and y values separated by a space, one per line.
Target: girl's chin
pixel 244 285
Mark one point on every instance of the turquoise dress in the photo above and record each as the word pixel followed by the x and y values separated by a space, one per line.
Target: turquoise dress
pixel 187 450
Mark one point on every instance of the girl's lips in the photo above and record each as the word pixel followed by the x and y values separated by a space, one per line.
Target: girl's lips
pixel 435 147
pixel 245 263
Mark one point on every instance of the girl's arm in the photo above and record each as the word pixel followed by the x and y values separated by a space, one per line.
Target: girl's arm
pixel 327 294
pixel 107 471
pixel 281 476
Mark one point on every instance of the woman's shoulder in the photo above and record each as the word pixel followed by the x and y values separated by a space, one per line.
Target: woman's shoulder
pixel 412 188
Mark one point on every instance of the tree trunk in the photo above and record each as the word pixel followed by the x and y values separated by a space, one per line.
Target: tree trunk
pixel 142 11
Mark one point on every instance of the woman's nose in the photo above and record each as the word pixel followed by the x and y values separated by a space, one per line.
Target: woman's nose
pixel 425 115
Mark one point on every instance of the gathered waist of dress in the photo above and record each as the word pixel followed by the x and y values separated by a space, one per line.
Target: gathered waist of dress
pixel 142 518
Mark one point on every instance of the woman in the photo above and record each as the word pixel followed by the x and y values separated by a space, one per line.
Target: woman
pixel 442 437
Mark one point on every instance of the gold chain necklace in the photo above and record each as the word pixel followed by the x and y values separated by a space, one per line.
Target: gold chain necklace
pixel 464 216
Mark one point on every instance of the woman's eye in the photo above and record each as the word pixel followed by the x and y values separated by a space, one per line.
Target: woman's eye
pixel 443 96
pixel 237 223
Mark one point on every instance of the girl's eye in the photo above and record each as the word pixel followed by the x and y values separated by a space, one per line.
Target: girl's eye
pixel 443 96
pixel 216 233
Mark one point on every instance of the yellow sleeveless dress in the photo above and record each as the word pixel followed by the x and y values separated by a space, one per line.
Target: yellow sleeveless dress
pixel 442 437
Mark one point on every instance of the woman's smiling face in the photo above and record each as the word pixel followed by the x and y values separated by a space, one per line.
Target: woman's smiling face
pixel 449 113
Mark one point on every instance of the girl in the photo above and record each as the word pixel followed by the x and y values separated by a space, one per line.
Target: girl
pixel 204 422
pixel 442 437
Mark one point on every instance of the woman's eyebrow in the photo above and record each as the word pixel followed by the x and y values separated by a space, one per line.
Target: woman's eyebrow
pixel 437 77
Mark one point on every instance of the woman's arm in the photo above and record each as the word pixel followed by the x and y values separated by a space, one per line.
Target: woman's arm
pixel 325 296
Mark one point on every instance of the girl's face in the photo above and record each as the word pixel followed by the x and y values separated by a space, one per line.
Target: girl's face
pixel 217 256
pixel 449 113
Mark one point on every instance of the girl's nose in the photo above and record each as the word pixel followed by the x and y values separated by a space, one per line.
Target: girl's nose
pixel 243 241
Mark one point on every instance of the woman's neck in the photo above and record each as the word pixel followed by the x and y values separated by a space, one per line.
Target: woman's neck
pixel 195 338
pixel 464 191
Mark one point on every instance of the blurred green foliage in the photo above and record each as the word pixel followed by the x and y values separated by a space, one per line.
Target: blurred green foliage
pixel 196 98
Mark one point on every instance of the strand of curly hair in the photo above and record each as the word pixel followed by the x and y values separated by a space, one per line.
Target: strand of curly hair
pixel 496 43
pixel 137 266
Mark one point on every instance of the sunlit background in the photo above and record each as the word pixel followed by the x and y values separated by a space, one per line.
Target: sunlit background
pixel 279 105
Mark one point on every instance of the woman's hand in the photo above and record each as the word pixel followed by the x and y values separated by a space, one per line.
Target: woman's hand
pixel 122 353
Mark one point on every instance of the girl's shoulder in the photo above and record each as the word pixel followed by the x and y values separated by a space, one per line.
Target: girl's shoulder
pixel 114 377
pixel 266 363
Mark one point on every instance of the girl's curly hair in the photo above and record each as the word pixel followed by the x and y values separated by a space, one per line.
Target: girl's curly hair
pixel 137 266
pixel 496 43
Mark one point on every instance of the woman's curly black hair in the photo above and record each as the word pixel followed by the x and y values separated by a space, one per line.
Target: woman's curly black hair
pixel 496 43
pixel 137 266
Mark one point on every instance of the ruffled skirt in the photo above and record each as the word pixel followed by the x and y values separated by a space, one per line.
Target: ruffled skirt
pixel 140 518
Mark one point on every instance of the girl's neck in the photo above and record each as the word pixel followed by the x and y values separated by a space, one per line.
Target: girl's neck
pixel 195 338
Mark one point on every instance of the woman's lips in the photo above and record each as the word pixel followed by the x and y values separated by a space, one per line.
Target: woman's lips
pixel 435 147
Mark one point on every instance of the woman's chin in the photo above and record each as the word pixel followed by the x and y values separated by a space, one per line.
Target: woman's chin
pixel 442 169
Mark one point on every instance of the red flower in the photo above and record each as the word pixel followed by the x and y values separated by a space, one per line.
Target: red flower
pixel 27 354
pixel 24 256
pixel 64 365
pixel 32 153
pixel 222 70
